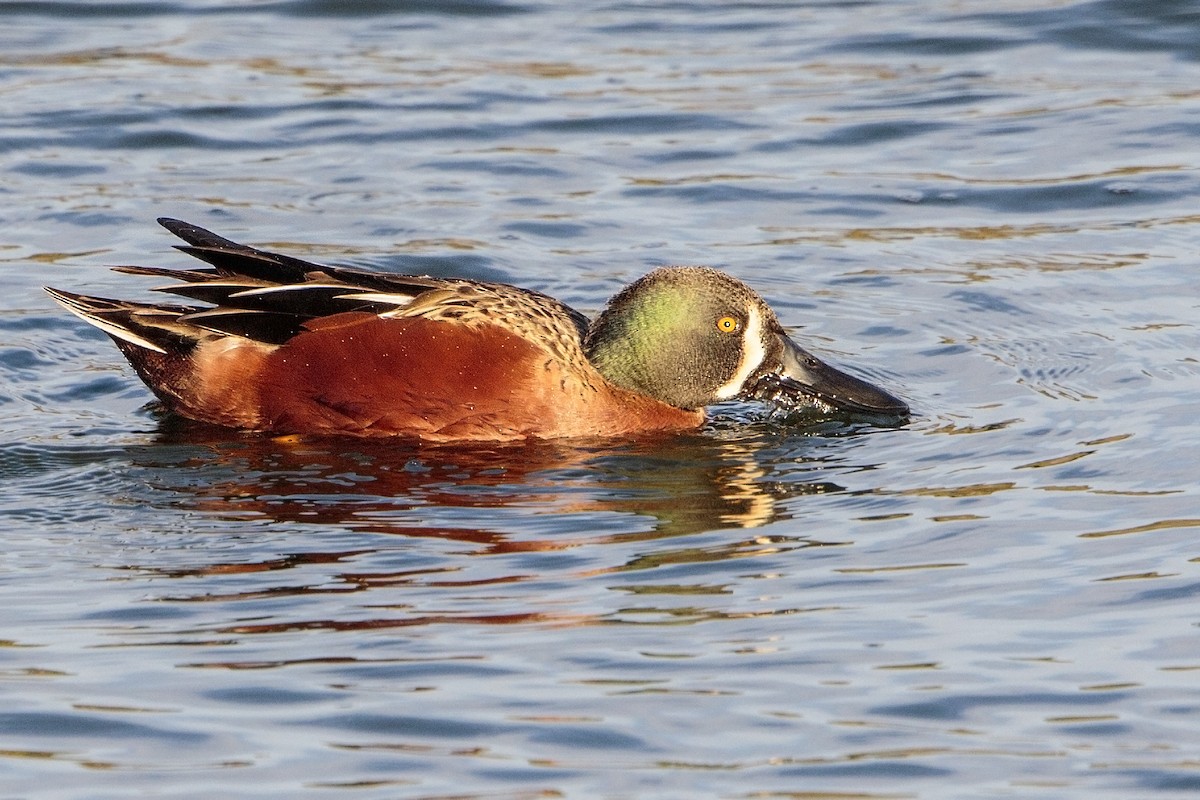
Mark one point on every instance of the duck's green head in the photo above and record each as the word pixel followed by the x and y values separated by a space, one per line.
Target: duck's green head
pixel 694 336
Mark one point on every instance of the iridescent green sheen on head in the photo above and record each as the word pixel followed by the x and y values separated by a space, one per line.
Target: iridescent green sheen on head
pixel 661 335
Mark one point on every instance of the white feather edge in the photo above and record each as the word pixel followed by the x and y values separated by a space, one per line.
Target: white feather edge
pixel 218 284
pixel 398 300
pixel 113 330
pixel 291 287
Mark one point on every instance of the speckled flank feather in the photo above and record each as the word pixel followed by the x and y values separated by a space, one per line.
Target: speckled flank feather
pixel 535 317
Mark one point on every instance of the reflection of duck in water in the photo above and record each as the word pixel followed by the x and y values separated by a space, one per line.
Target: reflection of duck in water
pixel 296 347
pixel 529 495
pixel 628 508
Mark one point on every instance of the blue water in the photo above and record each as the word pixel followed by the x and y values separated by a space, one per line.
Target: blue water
pixel 991 212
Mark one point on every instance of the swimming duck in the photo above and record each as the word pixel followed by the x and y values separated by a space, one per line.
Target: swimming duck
pixel 291 347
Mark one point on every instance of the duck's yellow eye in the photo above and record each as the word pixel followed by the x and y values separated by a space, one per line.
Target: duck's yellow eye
pixel 727 324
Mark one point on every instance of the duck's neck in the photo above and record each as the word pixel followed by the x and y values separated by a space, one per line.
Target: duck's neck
pixel 619 344
pixel 636 344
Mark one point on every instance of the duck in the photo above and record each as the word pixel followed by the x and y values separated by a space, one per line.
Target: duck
pixel 280 345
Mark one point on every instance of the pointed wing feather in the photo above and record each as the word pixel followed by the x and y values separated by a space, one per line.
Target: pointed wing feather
pixel 231 258
pixel 212 291
pixel 189 275
pixel 270 297
pixel 270 327
pixel 151 327
pixel 310 300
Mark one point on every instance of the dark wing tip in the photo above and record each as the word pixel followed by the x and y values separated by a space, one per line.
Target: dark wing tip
pixel 175 226
pixel 195 235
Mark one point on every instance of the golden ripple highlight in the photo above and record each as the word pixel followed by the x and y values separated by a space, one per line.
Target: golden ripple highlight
pixel 1161 525
pixel 966 232
pixel 970 490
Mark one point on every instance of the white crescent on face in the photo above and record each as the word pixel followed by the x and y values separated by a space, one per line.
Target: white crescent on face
pixel 753 353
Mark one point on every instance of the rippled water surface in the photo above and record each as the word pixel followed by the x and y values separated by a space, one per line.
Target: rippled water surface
pixel 992 209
